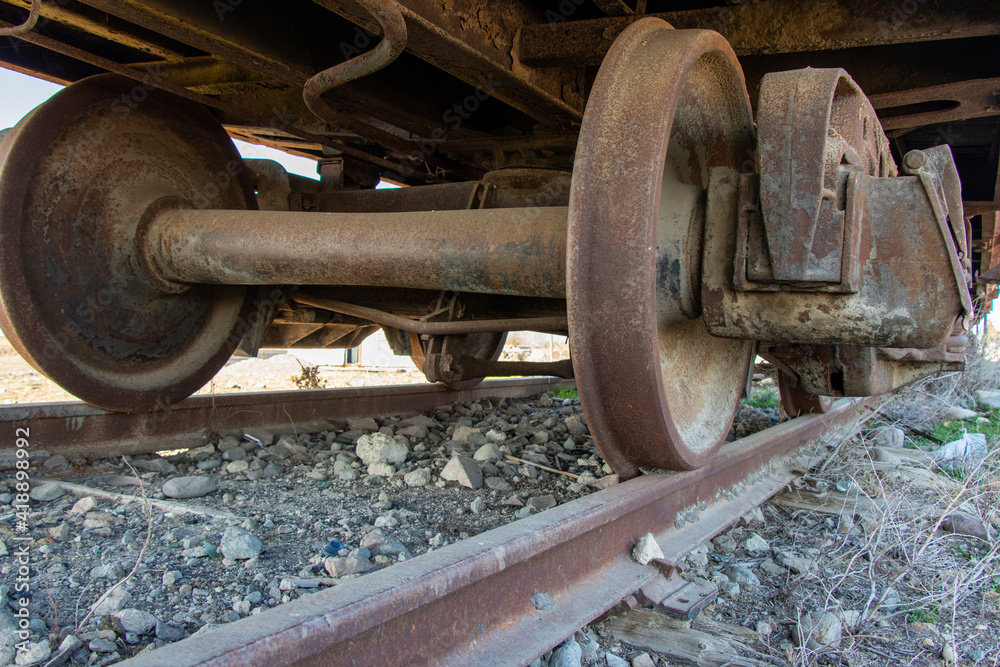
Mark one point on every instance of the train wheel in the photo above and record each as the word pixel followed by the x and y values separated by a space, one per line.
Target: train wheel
pixel 78 177
pixel 486 346
pixel 667 105
pixel 797 401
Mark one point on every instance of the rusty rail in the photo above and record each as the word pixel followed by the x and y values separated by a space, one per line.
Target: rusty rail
pixel 76 429
pixel 470 602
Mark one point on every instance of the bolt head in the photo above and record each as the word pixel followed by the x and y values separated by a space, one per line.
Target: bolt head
pixel 915 159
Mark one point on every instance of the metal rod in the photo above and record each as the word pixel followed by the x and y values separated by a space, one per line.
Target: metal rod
pixel 513 251
pixel 29 23
pixel 436 328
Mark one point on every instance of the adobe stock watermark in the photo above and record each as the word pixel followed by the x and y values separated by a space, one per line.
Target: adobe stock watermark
pixel 20 592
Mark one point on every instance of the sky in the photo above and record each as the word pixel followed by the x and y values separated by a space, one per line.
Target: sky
pixel 20 93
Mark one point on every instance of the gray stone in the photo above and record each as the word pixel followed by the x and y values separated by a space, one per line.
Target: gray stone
pixel 209 464
pixel 36 652
pixel 114 602
pixel 477 505
pixel 891 601
pixel 60 533
pixel 238 544
pixel 540 437
pixel 291 583
pixel 273 470
pixel 614 660
pixel 575 426
pixel 234 454
pixel 361 424
pixel 171 577
pixel 819 631
pixel 419 420
pixel 47 492
pixel 646 549
pixel 742 575
pixel 498 484
pixel 796 564
pixel 643 660
pixel 201 453
pixel 158 465
pixel 339 567
pixel 891 437
pixel 168 633
pixel 102 646
pixel 462 433
pixel 965 453
pixel 236 467
pixel 569 654
pixel 383 545
pixel 135 620
pixel 959 414
pixel 495 436
pixel 884 455
pixel 488 452
pixel 724 544
pixel 418 477
pixel 463 470
pixel 189 487
pixel 988 399
pixel 376 447
pixel 541 503
pixel 963 524
pixel 56 463
pixel 229 442
pixel 756 544
pixel 382 469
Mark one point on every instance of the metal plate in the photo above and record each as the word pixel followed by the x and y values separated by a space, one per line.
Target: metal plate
pixel 658 391
pixel 797 401
pixel 77 177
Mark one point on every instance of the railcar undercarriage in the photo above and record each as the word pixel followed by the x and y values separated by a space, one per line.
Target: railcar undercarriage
pixel 676 191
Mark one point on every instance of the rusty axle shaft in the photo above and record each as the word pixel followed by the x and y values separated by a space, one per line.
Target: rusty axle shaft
pixel 519 252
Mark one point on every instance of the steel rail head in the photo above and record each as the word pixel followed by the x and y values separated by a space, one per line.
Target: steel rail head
pixel 521 589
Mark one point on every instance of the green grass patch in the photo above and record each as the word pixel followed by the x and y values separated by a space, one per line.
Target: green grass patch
pixel 566 392
pixel 763 399
pixel 928 614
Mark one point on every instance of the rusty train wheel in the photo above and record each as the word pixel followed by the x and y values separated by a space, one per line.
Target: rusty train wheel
pixel 77 178
pixel 486 346
pixel 797 401
pixel 667 105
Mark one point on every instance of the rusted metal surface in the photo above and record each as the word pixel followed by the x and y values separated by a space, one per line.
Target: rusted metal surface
pixel 657 389
pixel 472 601
pixel 519 251
pixel 814 128
pixel 938 104
pixel 77 430
pixel 73 188
pixel 436 328
pixel 772 27
pixel 393 29
pixel 29 22
pixel 795 400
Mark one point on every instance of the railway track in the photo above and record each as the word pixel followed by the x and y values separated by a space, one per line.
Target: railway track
pixel 76 429
pixel 515 591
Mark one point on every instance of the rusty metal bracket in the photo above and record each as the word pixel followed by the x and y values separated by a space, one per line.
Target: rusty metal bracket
pixel 815 126
pixel 937 172
pixel 676 597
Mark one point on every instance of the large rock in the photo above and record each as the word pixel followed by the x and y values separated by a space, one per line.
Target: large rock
pixel 238 544
pixel 959 414
pixel 988 399
pixel 135 620
pixel 819 631
pixel 418 477
pixel 569 654
pixel 380 544
pixel 463 470
pixel 646 549
pixel 47 492
pixel 36 653
pixel 488 452
pixel 891 437
pixel 189 487
pixel 376 447
pixel 965 453
pixel 340 567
